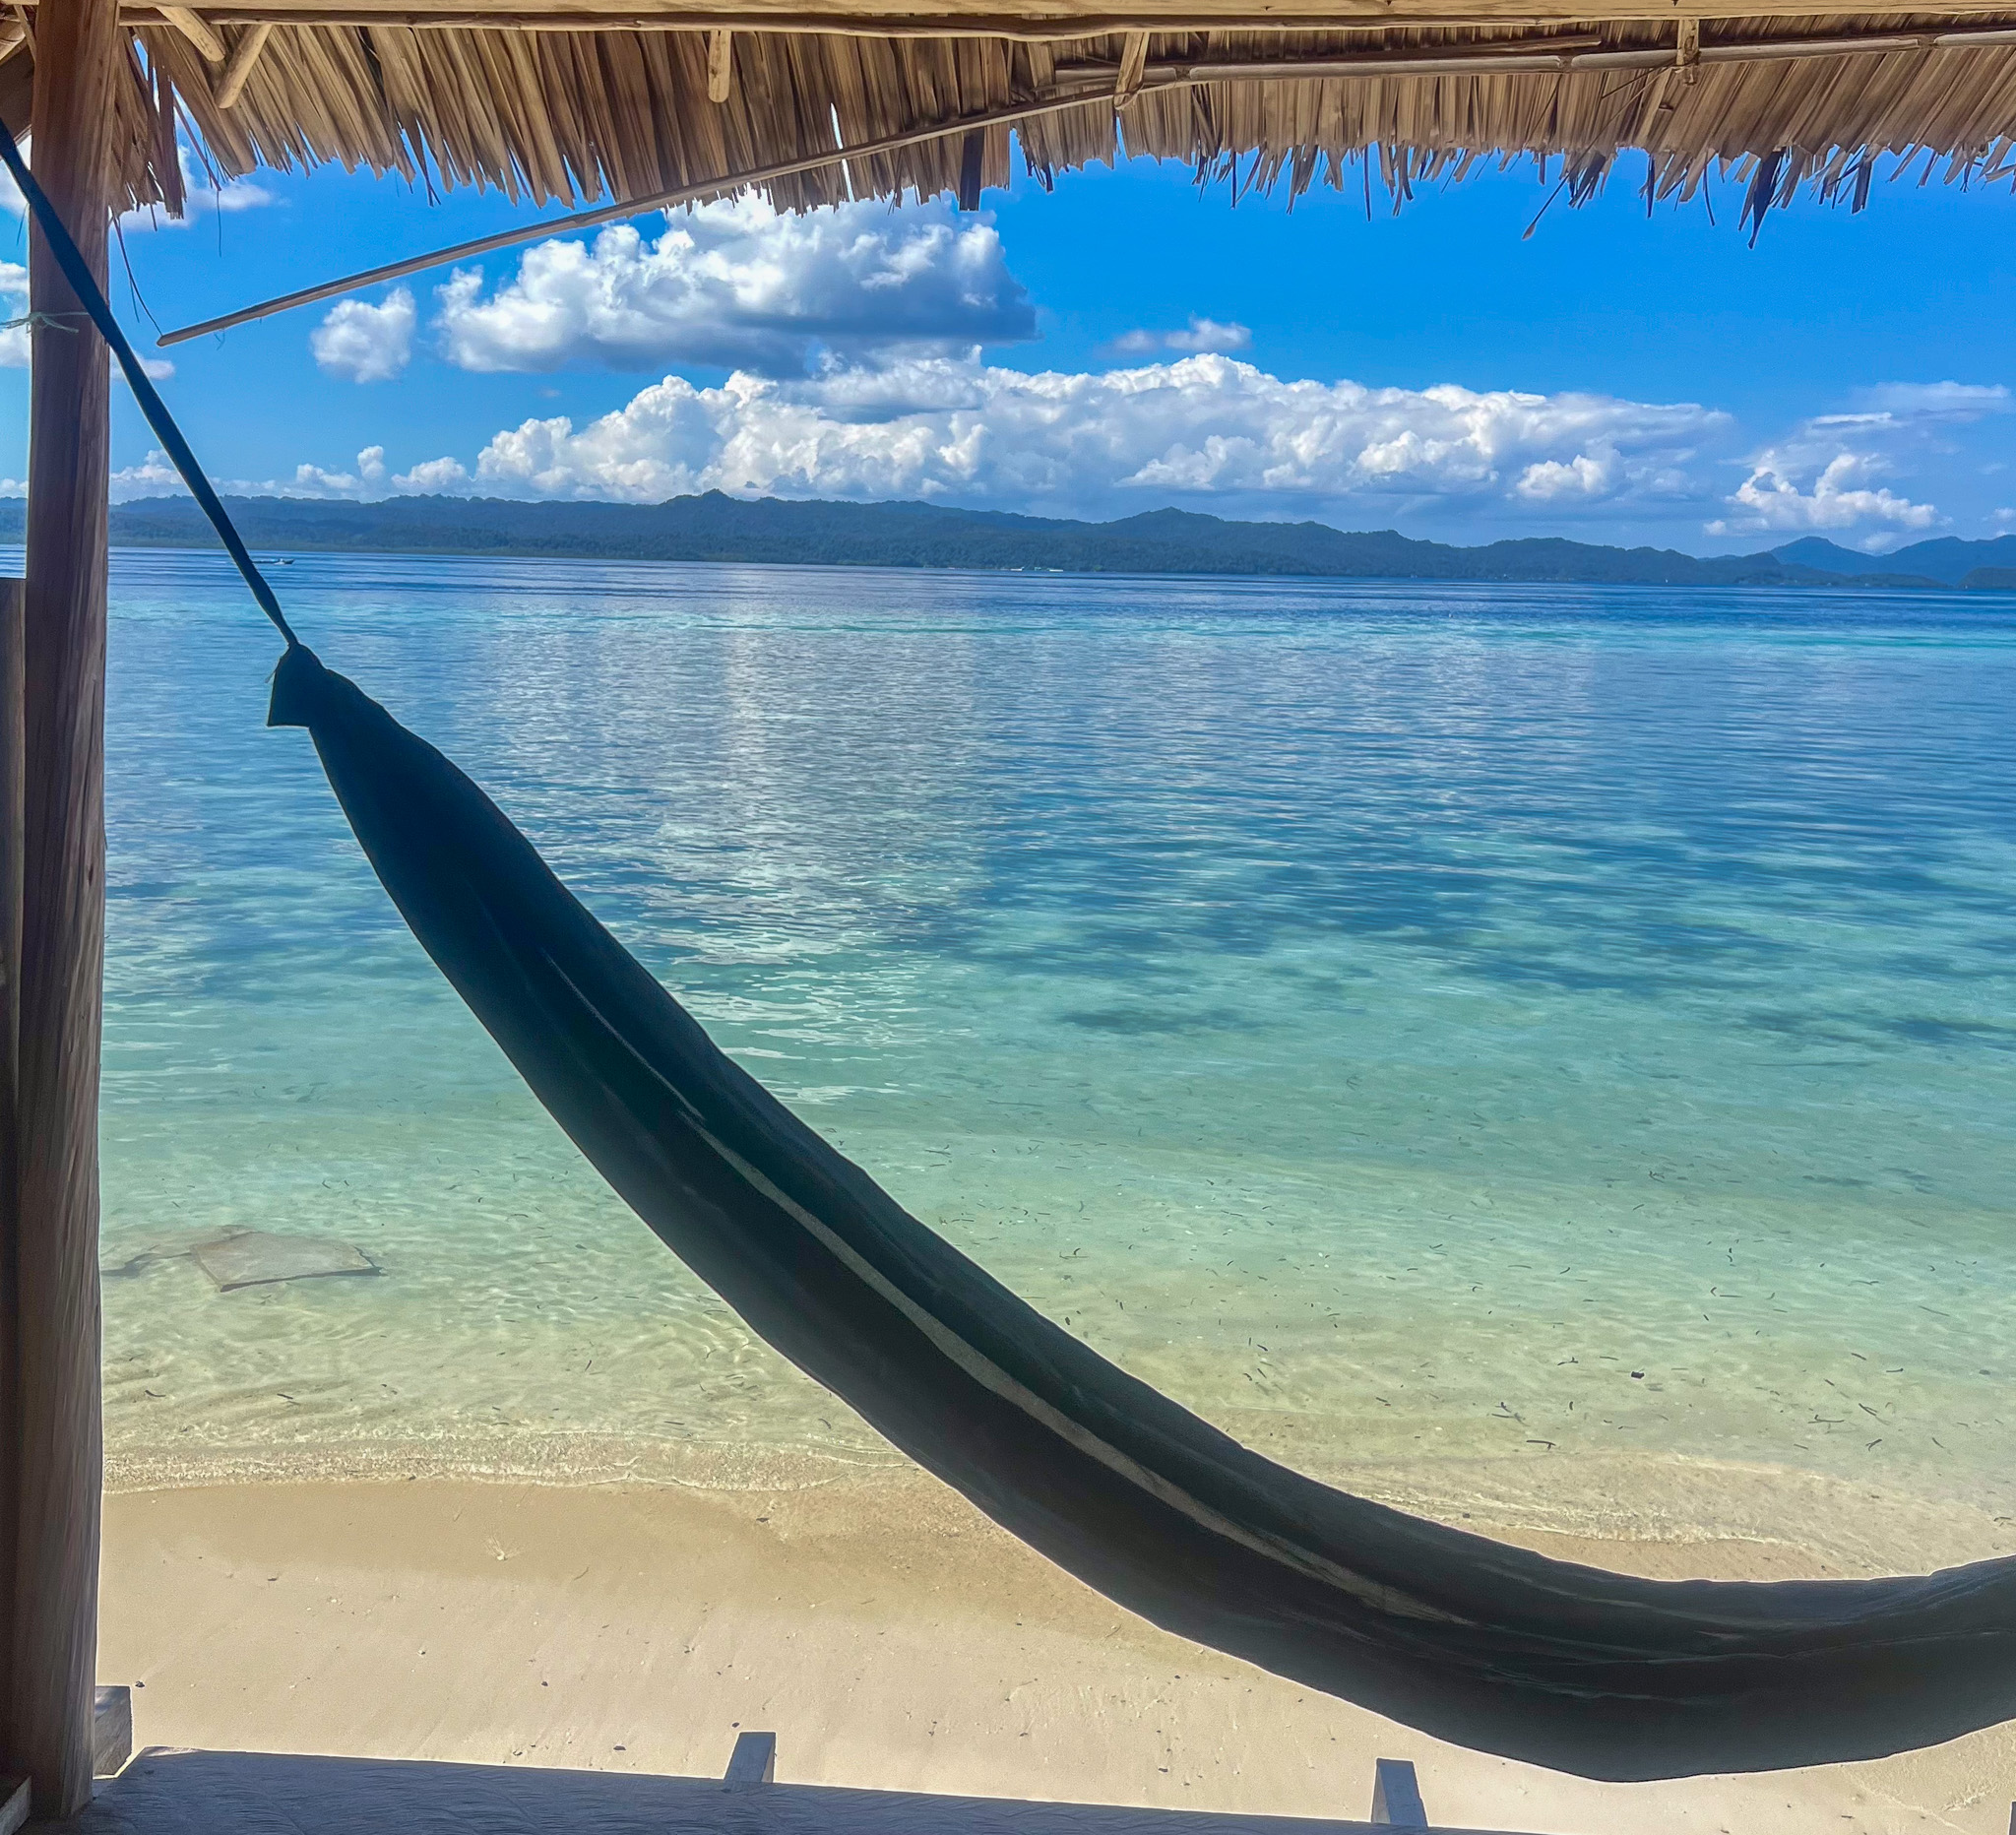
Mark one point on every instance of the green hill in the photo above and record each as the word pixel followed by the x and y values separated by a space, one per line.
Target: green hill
pixel 719 528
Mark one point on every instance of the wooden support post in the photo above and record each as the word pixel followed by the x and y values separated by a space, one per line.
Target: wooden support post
pixel 54 1582
pixel 721 65
pixel 13 1783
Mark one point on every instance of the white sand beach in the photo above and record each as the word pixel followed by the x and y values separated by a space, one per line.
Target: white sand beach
pixel 887 1634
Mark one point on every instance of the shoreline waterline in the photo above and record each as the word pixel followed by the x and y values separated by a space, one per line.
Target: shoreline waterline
pixel 1622 1510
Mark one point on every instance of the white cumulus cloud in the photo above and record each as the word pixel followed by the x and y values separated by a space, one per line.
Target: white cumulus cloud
pixel 737 285
pixel 1586 475
pixel 363 342
pixel 1198 335
pixel 1205 426
pixel 311 480
pixel 153 477
pixel 1837 494
pixel 433 477
pixel 1830 472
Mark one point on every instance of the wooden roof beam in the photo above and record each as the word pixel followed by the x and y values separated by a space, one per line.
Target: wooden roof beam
pixel 193 27
pixel 877 18
pixel 1586 52
pixel 1133 66
pixel 245 55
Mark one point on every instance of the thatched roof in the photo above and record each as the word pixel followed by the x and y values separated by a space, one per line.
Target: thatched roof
pixel 576 105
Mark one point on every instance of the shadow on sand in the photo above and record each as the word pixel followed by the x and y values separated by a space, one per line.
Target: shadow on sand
pixel 183 1793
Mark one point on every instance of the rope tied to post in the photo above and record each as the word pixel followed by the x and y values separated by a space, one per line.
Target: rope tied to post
pixel 92 297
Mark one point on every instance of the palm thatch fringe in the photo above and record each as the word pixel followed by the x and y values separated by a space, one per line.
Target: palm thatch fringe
pixel 576 116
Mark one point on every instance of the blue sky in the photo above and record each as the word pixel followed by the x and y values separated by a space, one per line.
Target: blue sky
pixel 1124 343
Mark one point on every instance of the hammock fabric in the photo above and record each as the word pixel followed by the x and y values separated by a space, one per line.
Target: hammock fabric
pixel 1463 1637
pixel 1467 1638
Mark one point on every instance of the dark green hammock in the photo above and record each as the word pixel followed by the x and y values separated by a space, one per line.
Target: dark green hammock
pixel 1463 1637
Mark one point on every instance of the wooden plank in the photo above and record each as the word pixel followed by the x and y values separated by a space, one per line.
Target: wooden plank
pixel 62 930
pixel 1397 1796
pixel 753 1762
pixel 721 68
pixel 111 1743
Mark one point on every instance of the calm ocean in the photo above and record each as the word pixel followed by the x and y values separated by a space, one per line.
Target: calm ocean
pixel 1410 1023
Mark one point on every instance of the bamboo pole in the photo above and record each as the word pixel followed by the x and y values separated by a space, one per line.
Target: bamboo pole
pixel 62 937
pixel 722 184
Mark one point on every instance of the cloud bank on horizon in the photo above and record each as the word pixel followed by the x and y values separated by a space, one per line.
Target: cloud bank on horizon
pixel 854 342
pixel 958 429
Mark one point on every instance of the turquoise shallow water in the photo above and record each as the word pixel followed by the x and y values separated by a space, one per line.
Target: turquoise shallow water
pixel 1410 1024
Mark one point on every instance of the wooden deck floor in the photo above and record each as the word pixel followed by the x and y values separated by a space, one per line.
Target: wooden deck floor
pixel 183 1793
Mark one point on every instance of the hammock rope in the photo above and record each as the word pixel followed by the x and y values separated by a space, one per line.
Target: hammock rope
pixel 1470 1639
pixel 83 284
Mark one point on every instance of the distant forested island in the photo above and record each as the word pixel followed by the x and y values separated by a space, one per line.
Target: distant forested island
pixel 719 528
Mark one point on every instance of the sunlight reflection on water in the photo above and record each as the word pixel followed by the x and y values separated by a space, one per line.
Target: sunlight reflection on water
pixel 1405 1021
